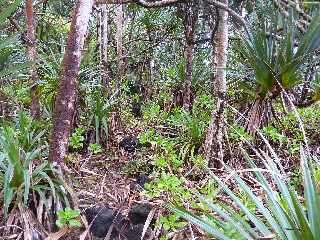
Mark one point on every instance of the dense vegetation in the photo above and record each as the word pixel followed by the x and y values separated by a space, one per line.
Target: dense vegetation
pixel 166 119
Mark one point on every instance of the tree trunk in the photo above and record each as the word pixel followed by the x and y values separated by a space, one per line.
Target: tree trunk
pixel 191 16
pixel 214 140
pixel 103 42
pixel 187 90
pixel 65 100
pixel 260 114
pixel 103 34
pixel 32 55
pixel 119 36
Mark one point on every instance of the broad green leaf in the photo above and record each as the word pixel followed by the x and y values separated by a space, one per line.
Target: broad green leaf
pixel 74 223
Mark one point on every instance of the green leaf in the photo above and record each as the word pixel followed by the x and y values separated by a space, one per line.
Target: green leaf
pixel 62 214
pixel 259 224
pixel 61 222
pixel 303 228
pixel 259 204
pixel 272 202
pixel 42 195
pixel 311 195
pixel 71 213
pixel 7 41
pixel 8 196
pixel 74 223
pixel 10 146
pixel 232 218
pixel 8 191
pixel 49 180
pixel 198 221
pixel 27 181
pixel 5 13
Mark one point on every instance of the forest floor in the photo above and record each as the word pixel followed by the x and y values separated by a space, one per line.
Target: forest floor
pixel 100 180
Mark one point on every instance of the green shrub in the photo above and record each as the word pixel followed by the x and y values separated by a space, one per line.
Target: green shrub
pixel 95 148
pixel 171 222
pixel 166 183
pixel 68 217
pixel 76 139
pixel 152 113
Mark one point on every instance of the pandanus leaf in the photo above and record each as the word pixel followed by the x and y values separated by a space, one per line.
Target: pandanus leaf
pixel 259 51
pixel 280 214
pixel 309 43
pixel 276 60
pixel 8 10
pixel 200 222
pixel 10 145
pixel 311 38
pixel 311 195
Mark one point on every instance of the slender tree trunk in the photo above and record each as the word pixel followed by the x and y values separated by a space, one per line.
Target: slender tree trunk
pixel 119 38
pixel 187 91
pixel 150 60
pixel 214 139
pixel 191 16
pixel 65 100
pixel 99 32
pixel 32 55
pixel 102 29
pixel 104 34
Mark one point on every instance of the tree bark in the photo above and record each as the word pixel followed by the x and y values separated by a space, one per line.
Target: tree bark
pixel 214 140
pixel 187 89
pixel 32 55
pixel 191 16
pixel 65 100
pixel 119 40
pixel 103 35
pixel 103 31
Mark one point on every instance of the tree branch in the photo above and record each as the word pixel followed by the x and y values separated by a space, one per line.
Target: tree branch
pixel 147 4
pixel 164 3
pixel 155 4
pixel 97 2
pixel 238 17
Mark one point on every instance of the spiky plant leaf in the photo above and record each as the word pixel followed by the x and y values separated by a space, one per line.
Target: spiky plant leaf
pixel 27 182
pixel 8 10
pixel 200 222
pixel 281 212
pixel 311 194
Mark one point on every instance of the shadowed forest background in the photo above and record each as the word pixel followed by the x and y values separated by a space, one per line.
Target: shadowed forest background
pixel 166 119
